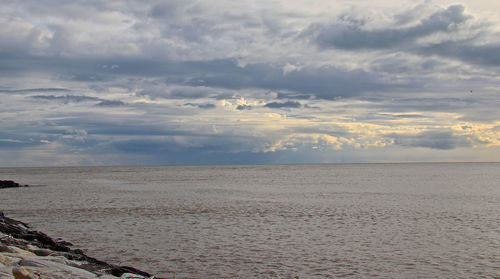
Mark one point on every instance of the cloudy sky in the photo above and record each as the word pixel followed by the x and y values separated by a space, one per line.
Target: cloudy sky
pixel 218 82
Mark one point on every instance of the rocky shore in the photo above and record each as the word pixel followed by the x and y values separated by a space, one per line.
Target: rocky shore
pixel 30 254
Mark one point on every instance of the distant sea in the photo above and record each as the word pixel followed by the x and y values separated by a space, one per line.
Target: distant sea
pixel 436 220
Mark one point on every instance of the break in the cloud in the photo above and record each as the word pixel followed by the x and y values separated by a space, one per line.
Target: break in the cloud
pixel 182 82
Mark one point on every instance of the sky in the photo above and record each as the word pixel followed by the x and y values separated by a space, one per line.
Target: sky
pixel 248 82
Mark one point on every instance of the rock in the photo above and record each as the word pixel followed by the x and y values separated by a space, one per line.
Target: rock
pixel 25 262
pixel 63 242
pixel 20 251
pixel 38 251
pixel 5 260
pixel 22 273
pixel 6 249
pixel 42 252
pixel 134 276
pixel 41 268
pixel 10 184
pixel 118 271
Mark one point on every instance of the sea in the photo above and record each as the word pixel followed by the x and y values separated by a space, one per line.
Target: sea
pixel 415 220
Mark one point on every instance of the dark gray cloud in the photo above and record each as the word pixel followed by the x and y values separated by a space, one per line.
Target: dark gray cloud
pixel 403 105
pixel 354 35
pixel 144 146
pixel 311 107
pixel 418 68
pixel 200 77
pixel 201 144
pixel 167 153
pixel 244 107
pixel 24 136
pixel 201 106
pixel 433 139
pixel 293 95
pixel 206 106
pixel 288 104
pixel 187 92
pixel 351 35
pixel 11 143
pixel 65 99
pixel 325 82
pixel 167 9
pixel 34 90
pixel 111 103
pixel 487 54
pixel 100 124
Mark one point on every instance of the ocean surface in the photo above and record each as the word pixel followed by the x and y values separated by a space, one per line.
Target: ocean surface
pixel 272 221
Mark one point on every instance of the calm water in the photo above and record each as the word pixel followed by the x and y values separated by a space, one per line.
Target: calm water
pixel 282 221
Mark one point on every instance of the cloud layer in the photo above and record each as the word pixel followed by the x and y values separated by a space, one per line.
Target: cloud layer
pixel 192 82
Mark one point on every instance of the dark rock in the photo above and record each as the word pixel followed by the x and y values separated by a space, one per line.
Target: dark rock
pixel 25 262
pixel 119 270
pixel 6 249
pixel 63 242
pixel 79 251
pixel 10 184
pixel 72 256
pixel 43 252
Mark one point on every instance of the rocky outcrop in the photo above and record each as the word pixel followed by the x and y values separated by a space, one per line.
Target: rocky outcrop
pixel 10 184
pixel 26 253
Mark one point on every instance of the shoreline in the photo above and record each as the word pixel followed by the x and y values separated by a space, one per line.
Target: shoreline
pixel 30 254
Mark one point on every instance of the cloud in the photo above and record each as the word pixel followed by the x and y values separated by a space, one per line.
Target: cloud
pixel 14 143
pixel 432 139
pixel 188 82
pixel 168 10
pixel 324 82
pixel 188 92
pixel 244 107
pixel 102 124
pixel 198 79
pixel 288 104
pixel 447 33
pixel 78 99
pixel 406 115
pixel 110 103
pixel 351 36
pixel 486 54
pixel 201 106
pixel 66 98
pixel 33 90
pixel 411 15
pixel 189 145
